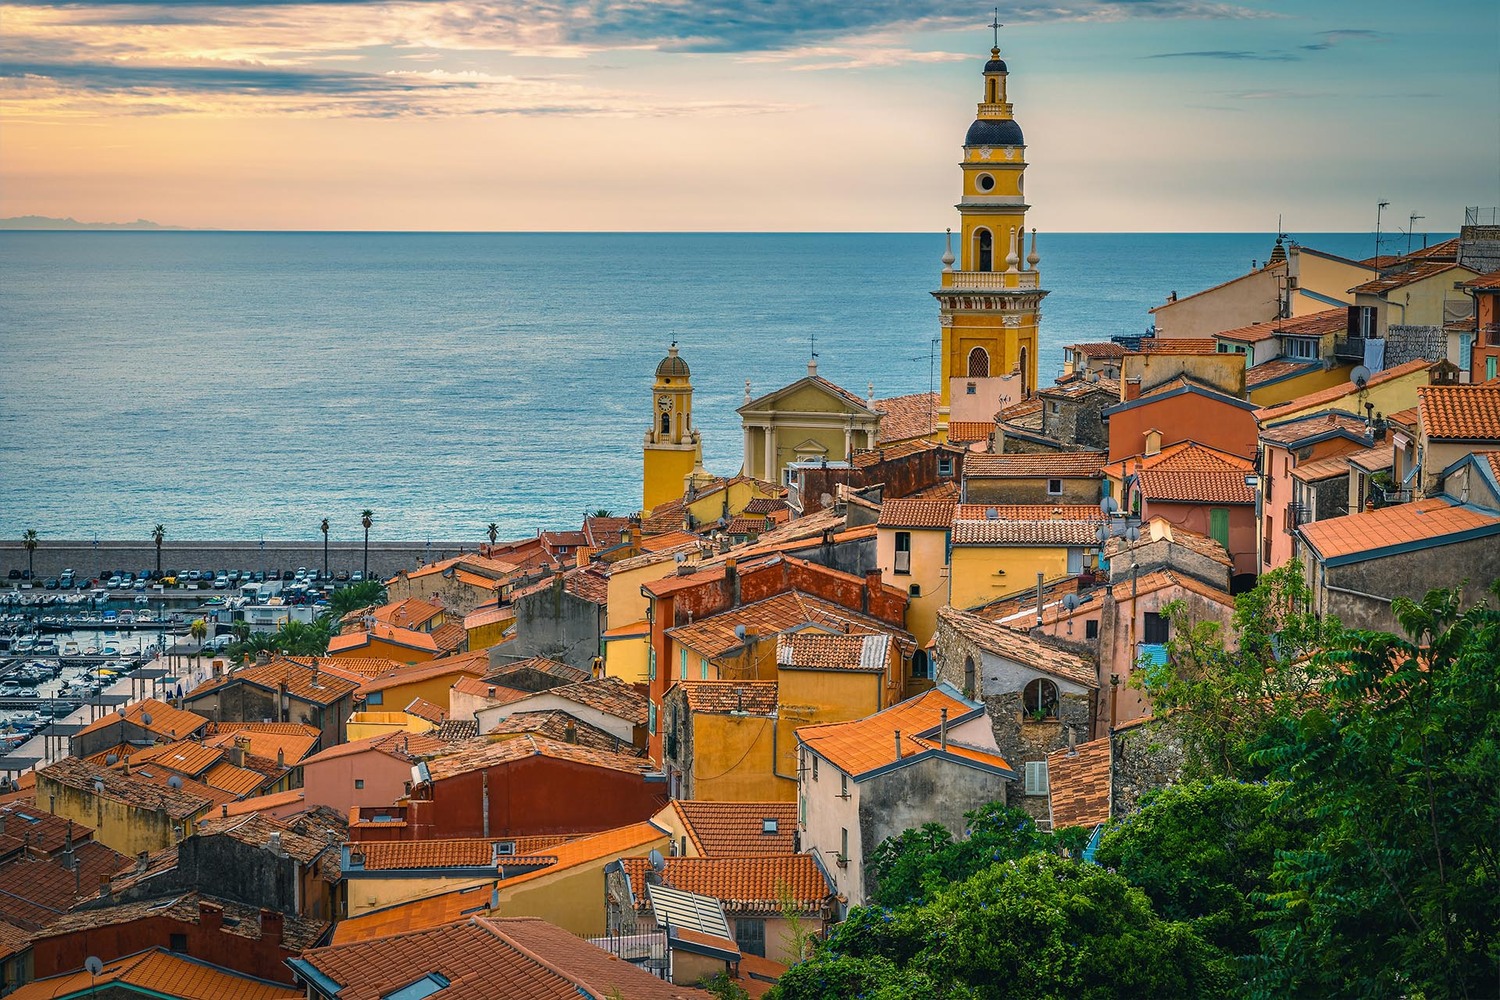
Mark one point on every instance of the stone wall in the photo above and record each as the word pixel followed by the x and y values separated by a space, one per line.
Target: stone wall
pixel 558 625
pixel 1374 582
pixel 1414 343
pixel 1145 756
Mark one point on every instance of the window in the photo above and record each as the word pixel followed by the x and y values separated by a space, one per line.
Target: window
pixel 1091 629
pixel 375 698
pixel 1039 698
pixel 359 782
pixel 1304 348
pixel 914 590
pixel 178 943
pixel 703 668
pixel 843 785
pixel 1036 777
pixel 1218 525
pixel 682 663
pixel 651 663
pixel 1155 629
pixel 971 389
pixel 984 244
pixel 666 423
pixel 969 677
pixel 919 663
pixel 750 935
pixel 903 552
pixel 651 717
pixel 815 767
pixel 768 825
pixel 1054 487
pixel 945 467
pixel 1489 367
pixel 979 363
pixel 843 847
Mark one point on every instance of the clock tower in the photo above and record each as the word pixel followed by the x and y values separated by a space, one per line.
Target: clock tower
pixel 990 305
pixel 672 448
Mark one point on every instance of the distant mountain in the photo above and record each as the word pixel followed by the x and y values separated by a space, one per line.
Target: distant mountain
pixel 43 222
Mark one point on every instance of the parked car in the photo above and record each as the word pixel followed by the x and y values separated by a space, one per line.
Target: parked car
pixel 51 583
pixel 356 577
pixel 259 577
pixel 114 582
pixel 342 576
pixel 14 574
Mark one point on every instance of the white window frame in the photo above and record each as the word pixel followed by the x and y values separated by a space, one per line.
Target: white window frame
pixel 1036 777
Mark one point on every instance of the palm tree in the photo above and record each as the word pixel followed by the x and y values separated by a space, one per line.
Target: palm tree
pixel 199 631
pixel 158 534
pixel 324 526
pixel 30 539
pixel 367 518
pixel 494 532
pixel 602 512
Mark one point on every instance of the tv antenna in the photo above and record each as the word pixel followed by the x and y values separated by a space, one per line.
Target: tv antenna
pixel 1411 225
pixel 1380 207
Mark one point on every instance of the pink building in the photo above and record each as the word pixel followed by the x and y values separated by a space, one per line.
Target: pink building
pixel 1297 456
pixel 369 772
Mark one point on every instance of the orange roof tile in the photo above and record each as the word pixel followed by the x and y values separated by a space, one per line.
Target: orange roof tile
pixel 1064 464
pixel 904 417
pixel 726 697
pixel 1035 652
pixel 492 691
pixel 1400 279
pixel 1490 280
pixel 558 725
pixel 487 568
pixel 868 744
pixel 1184 486
pixel 466 852
pixel 480 617
pixel 1179 345
pixel 793 610
pixel 609 695
pixel 970 430
pixel 431 670
pixel 1460 412
pixel 482 753
pixel 1099 350
pixel 165 720
pixel 1370 534
pixel 260 803
pixel 1323 468
pixel 239 781
pixel 906 513
pixel 744 885
pixel 1026 524
pixel 1079 783
pixel 824 651
pixel 161 973
pixel 292 740
pixel 410 747
pixel 139 789
pixel 411 613
pixel 298 678
pixel 738 829
pixel 183 756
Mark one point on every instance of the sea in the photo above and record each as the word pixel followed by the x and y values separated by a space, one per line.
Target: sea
pixel 247 385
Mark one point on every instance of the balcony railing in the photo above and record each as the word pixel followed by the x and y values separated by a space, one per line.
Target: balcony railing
pixel 1349 349
pixel 988 281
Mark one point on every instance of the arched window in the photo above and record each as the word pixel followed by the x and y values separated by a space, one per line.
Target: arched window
pixel 1025 377
pixel 984 246
pixel 969 688
pixel 1040 699
pixel 919 663
pixel 979 363
pixel 666 423
pixel 990 92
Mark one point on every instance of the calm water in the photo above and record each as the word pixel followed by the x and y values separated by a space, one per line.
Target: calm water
pixel 250 384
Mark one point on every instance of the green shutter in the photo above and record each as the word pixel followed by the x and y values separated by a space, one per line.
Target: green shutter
pixel 1218 526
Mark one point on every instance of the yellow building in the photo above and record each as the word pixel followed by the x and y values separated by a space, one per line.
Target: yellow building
pixel 672 448
pixel 486 624
pixel 1386 392
pixel 128 813
pixel 912 551
pixel 394 691
pixel 811 420
pixel 998 550
pixel 720 742
pixel 989 306
pixel 627 635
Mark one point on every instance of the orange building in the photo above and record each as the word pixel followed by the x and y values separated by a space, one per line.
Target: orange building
pixel 1484 354
pixel 1181 410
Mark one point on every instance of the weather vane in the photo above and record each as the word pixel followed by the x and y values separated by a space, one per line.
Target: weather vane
pixel 997 26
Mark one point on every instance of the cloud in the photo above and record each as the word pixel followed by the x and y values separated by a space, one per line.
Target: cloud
pixel 1231 55
pixel 1329 39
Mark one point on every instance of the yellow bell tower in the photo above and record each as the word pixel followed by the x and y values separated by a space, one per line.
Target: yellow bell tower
pixel 672 447
pixel 990 306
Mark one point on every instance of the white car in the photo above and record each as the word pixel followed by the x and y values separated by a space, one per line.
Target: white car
pixel 221 582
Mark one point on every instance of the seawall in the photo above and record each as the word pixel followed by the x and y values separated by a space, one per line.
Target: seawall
pixel 89 557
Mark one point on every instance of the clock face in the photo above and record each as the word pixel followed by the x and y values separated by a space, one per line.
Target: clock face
pixel 664 402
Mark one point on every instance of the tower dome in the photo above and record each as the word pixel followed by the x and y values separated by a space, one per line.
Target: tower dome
pixel 994 132
pixel 672 365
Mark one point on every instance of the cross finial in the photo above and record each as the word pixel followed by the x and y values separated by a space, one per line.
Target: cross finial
pixel 996 25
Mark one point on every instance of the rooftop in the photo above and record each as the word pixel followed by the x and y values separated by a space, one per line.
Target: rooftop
pixel 738 829
pixel 162 973
pixel 1400 279
pixel 792 610
pixel 910 416
pixel 1079 783
pixel 1023 649
pixel 1291 432
pixel 1460 412
pixel 558 725
pixel 430 670
pixel 864 746
pixel 305 683
pixel 483 753
pixel 467 852
pixel 1325 398
pixel 410 747
pixel 744 885
pixel 730 697
pixel 609 695
pixel 153 716
pixel 1374 533
pixel 822 651
pixel 1061 464
pixel 1026 524
pixel 935 514
pixel 133 789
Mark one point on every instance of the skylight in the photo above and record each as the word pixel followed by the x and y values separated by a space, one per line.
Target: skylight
pixel 424 987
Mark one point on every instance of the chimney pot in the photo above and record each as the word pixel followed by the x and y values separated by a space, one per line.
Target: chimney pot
pixel 943 730
pixel 898 744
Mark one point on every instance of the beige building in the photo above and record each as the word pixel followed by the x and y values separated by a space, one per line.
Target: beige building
pixel 912 548
pixel 810 421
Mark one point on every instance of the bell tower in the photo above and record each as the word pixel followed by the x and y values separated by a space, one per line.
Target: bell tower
pixel 672 448
pixel 990 305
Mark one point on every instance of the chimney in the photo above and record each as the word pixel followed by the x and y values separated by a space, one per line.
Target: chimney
pixel 237 752
pixel 943 730
pixel 898 744
pixel 274 843
pixel 104 887
pixel 262 658
pixel 271 925
pixel 210 917
pixel 1153 441
pixel 224 810
pixel 68 860
pixel 317 676
pixel 1072 742
pixel 141 861
pixel 570 732
pixel 281 758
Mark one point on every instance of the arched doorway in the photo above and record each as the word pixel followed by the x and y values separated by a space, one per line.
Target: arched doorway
pixel 919 664
pixel 985 250
pixel 979 363
pixel 1025 377
pixel 969 679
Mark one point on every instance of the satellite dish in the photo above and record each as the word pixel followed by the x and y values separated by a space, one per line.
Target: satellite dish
pixel 1071 602
pixel 1108 506
pixel 1102 534
pixel 120 711
pixel 174 782
pixel 448 573
pixel 112 758
pixel 145 718
pixel 825 500
pixel 680 558
pixel 92 965
pixel 98 786
pixel 656 861
pixel 739 632
pixel 1360 375
pixel 1133 534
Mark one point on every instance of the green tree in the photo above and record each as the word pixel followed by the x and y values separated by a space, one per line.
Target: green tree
pixel 602 512
pixel 1230 693
pixel 324 528
pixel 199 631
pixel 367 518
pixel 1202 851
pixel 355 597
pixel 1042 926
pixel 1397 891
pixel 30 539
pixel 158 535
pixel 493 530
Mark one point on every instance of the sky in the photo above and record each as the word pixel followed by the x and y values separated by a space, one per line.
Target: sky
pixel 743 115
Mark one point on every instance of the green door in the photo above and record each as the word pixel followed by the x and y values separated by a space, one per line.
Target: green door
pixel 1218 526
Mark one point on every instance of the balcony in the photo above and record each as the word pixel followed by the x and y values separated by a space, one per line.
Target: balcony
pixel 1350 349
pixel 990 281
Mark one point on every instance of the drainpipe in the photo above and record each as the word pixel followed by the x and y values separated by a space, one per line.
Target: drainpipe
pixel 485 801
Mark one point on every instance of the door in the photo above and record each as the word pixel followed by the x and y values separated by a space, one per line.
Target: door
pixel 1218 526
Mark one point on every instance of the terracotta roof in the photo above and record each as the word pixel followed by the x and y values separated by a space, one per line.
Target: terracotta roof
pixel 1278 368
pixel 37 891
pixel 411 613
pixel 743 885
pixel 450 906
pixel 1335 393
pixel 260 803
pixel 243 920
pixel 297 677
pixel 865 745
pixel 1184 456
pixel 1023 649
pixel 165 720
pixel 970 430
pixel 738 829
pixel 1026 524
pixel 668 541
pixel 730 697
pixel 1323 468
pixel 1099 350
pixel 357 667
pixel 263 739
pixel 909 416
pixel 747 524
pixel 135 789
pixel 1075 386
pixel 567 538
pixel 609 695
pixel 495 692
pixel 792 610
pixel 483 753
pixel 888 452
pixel 28 826
pixel 1370 533
pixel 13 939
pixel 1400 279
pixel 1382 456
pixel 1447 249
pixel 431 670
pixel 907 513
pixel 159 972
pixel 1460 412
pixel 410 747
pixel 257 830
pixel 586 583
pixel 1019 411
pixel 467 852
pixel 1179 345
pixel 1185 486
pixel 489 616
pixel 421 708
pixel 1489 280
pixel 1161 579
pixel 558 725
pixel 1335 320
pixel 1290 432
pixel 183 756
pixel 822 651
pixel 456 730
pixel 239 781
pixel 765 505
pixel 603 532
pixel 487 567
pixel 1064 464
pixel 1079 784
